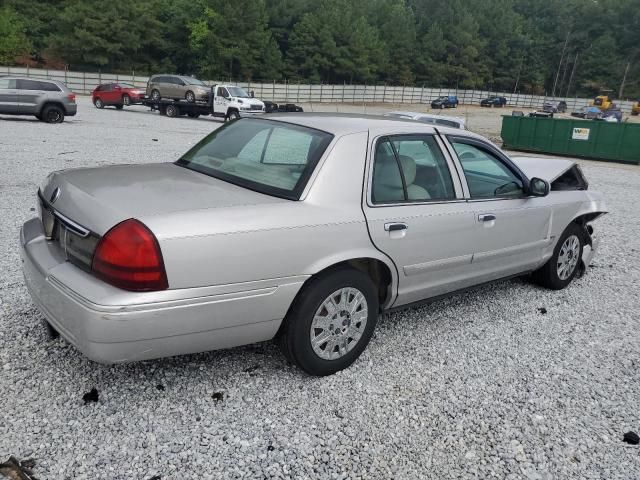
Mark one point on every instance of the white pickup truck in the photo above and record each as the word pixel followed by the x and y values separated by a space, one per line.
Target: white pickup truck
pixel 224 101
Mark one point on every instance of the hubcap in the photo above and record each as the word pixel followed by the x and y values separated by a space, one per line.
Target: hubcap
pixel 339 323
pixel 568 257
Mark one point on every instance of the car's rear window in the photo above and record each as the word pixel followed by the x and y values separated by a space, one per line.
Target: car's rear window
pixel 271 157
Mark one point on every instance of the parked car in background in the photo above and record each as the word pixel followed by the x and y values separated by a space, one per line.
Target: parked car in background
pixel 555 107
pixel 177 87
pixel 612 114
pixel 588 113
pixel 493 101
pixel 47 100
pixel 304 227
pixel 272 107
pixel 442 120
pixel 116 94
pixel 446 101
pixel 635 109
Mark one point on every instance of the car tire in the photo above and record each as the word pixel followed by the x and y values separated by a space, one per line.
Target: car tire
pixel 53 114
pixel 126 100
pixel 190 97
pixel 233 115
pixel 155 95
pixel 172 111
pixel 309 317
pixel 564 264
pixel 193 115
pixel 98 103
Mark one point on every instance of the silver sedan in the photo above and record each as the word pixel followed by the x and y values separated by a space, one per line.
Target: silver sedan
pixel 302 227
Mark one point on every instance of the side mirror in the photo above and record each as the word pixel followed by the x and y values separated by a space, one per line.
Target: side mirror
pixel 539 187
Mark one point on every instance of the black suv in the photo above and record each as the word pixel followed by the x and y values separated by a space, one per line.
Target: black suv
pixel 494 101
pixel 446 101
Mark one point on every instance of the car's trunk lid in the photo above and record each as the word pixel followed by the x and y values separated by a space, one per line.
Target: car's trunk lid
pixel 99 198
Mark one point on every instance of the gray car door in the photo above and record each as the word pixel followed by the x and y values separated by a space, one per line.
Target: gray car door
pixel 8 96
pixel 511 228
pixel 417 214
pixel 29 95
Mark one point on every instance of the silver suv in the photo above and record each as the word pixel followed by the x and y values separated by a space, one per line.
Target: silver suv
pixel 177 87
pixel 48 100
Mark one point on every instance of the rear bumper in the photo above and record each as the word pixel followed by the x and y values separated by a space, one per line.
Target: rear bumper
pixel 71 109
pixel 110 325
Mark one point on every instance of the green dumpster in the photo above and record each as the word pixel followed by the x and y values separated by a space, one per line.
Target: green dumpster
pixel 618 142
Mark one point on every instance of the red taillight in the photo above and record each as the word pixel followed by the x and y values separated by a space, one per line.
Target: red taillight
pixel 72 97
pixel 129 257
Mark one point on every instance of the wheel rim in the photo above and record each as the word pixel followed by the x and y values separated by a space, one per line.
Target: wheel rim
pixel 155 95
pixel 339 323
pixel 53 116
pixel 99 103
pixel 126 100
pixel 568 257
pixel 190 97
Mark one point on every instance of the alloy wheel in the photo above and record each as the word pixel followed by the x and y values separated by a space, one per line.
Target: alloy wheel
pixel 568 257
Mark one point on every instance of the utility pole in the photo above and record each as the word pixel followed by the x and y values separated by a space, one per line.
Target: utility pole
pixel 624 80
pixel 555 83
pixel 515 87
pixel 573 72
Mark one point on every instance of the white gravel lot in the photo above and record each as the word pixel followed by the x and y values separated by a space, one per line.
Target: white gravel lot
pixel 480 385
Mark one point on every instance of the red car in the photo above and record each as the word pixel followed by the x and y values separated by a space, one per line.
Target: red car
pixel 116 94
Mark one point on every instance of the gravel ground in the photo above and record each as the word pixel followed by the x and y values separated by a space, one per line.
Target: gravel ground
pixel 480 385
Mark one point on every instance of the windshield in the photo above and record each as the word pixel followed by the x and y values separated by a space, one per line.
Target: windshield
pixel 193 81
pixel 126 85
pixel 237 92
pixel 274 158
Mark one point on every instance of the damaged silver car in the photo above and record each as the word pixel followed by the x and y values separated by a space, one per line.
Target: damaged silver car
pixel 302 227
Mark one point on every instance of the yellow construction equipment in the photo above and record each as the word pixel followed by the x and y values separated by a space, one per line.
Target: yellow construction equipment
pixel 603 102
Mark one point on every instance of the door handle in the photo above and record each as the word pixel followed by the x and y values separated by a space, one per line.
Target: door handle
pixel 394 227
pixel 486 217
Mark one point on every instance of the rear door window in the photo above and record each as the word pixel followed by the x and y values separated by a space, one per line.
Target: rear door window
pixel 410 168
pixel 49 87
pixel 8 84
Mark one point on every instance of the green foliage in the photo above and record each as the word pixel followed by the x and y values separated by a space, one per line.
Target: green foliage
pixel 530 46
pixel 13 41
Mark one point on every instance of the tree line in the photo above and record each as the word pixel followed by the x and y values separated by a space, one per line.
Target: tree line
pixel 565 47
